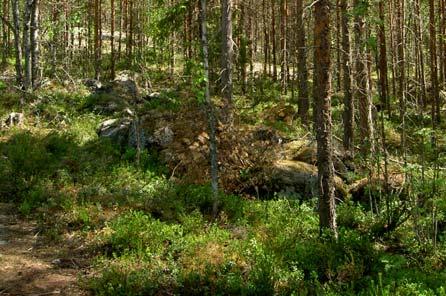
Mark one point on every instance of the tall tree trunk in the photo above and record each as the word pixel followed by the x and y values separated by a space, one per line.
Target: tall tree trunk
pixel 420 54
pixel 189 20
pixel 442 44
pixel 121 28
pixel 443 39
pixel 100 32
pixel 35 44
pixel 283 45
pixel 5 45
pixel 210 111
pixel 383 89
pixel 338 45
pixel 348 114
pixel 97 47
pixel 401 62
pixel 112 42
pixel 393 45
pixel 171 50
pixel 242 45
pixel 273 39
pixel 17 45
pixel 130 35
pixel 227 55
pixel 384 83
pixel 362 93
pixel 433 65
pixel 265 39
pixel 302 71
pixel 27 44
pixel 322 120
pixel 251 39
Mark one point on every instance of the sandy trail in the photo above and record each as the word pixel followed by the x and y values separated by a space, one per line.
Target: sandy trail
pixel 28 266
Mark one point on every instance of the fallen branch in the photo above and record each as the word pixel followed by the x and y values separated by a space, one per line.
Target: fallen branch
pixel 413 164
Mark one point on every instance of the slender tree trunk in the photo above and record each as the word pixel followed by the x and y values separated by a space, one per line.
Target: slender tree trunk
pixel 442 44
pixel 323 124
pixel 5 52
pixel 384 82
pixel 227 56
pixel 283 45
pixel 273 38
pixel 17 45
pixel 121 28
pixel 348 114
pixel 401 61
pixel 302 71
pixel 420 55
pixel 66 26
pixel 171 50
pixel 443 39
pixel 265 39
pixel 27 44
pixel 383 89
pixel 433 65
pixel 362 93
pixel 210 111
pixel 393 45
pixel 130 35
pixel 97 46
pixel 242 45
pixel 112 42
pixel 35 44
pixel 338 45
pixel 100 32
pixel 251 39
pixel 189 19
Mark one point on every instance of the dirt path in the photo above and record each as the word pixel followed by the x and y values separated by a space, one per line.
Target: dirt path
pixel 28 266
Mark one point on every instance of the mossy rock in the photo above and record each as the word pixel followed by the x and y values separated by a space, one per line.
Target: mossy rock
pixel 306 151
pixel 302 177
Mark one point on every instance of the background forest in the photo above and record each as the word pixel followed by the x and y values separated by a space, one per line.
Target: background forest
pixel 223 147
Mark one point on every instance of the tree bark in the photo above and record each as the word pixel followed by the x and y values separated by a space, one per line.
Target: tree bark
pixel 348 114
pixel 210 111
pixel 362 92
pixel 283 45
pixel 97 48
pixel 227 56
pixel 323 125
pixel 17 45
pixel 265 40
pixel 130 35
pixel 384 83
pixel 420 55
pixel 5 45
pixel 112 42
pixel 442 44
pixel 302 71
pixel 273 39
pixel 27 44
pixel 433 65
pixel 35 44
pixel 338 45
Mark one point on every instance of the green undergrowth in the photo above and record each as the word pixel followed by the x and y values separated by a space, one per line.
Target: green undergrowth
pixel 150 235
pixel 273 248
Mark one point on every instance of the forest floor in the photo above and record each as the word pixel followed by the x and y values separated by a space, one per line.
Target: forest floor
pixel 88 215
pixel 29 265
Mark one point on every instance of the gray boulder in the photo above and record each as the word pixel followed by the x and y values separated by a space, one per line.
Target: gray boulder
pixel 130 132
pixel 14 119
pixel 300 177
pixel 117 130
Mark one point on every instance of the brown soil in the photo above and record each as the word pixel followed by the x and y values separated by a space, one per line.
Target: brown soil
pixel 31 266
